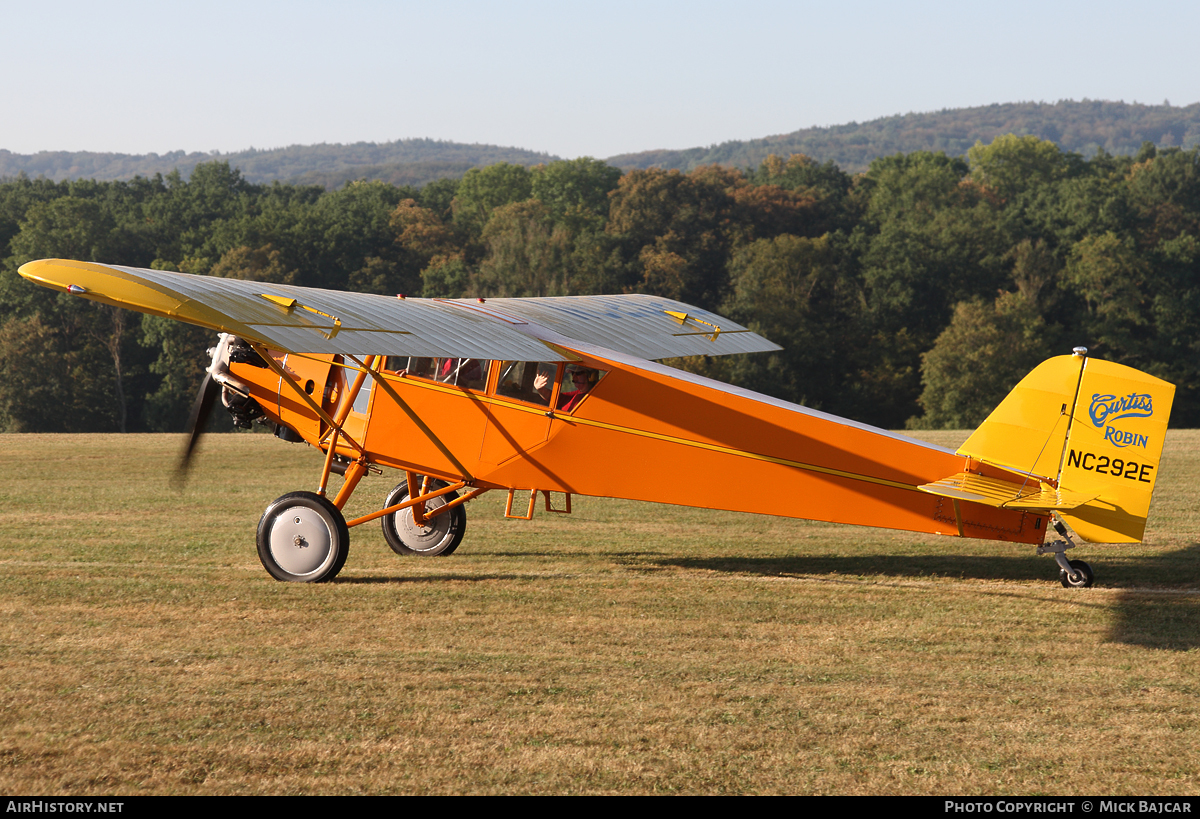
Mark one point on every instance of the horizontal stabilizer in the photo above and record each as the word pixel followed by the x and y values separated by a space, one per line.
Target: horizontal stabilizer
pixel 1032 495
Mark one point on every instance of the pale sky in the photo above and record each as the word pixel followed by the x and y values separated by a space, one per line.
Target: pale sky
pixel 571 79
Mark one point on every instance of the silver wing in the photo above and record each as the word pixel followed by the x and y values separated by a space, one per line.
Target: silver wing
pixel 309 320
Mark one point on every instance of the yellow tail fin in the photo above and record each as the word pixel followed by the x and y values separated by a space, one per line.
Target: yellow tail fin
pixel 1094 427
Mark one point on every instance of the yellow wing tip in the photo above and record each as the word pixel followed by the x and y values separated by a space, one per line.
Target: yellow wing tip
pixel 37 272
pixel 61 274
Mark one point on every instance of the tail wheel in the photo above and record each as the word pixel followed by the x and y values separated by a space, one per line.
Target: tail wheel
pixel 439 536
pixel 1082 576
pixel 302 538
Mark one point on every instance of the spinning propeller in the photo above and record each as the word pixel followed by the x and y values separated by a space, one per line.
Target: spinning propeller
pixel 198 420
pixel 219 382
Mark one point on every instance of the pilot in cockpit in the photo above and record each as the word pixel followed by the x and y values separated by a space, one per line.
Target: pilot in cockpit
pixel 582 381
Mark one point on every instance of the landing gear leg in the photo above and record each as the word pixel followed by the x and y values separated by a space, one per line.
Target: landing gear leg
pixel 1074 574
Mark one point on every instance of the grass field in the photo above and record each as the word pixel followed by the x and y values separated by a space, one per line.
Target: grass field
pixel 627 648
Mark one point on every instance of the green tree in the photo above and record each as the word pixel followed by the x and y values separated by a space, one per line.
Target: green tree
pixel 482 190
pixel 263 264
pixel 1115 284
pixel 69 228
pixel 802 173
pixel 17 196
pixel 447 277
pixel 528 254
pixel 52 382
pixel 929 239
pixel 576 191
pixel 438 196
pixel 1012 164
pixel 979 358
pixel 1164 190
pixel 73 228
pixel 349 228
pixel 673 232
pixel 180 360
pixel 1174 352
pixel 1035 271
pixel 793 290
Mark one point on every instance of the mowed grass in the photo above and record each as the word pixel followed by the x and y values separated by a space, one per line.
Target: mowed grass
pixel 627 648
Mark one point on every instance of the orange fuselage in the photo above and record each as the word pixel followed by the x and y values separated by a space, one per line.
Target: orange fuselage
pixel 644 432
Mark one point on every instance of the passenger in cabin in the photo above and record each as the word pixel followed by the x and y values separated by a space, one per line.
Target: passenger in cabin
pixel 460 371
pixel 582 379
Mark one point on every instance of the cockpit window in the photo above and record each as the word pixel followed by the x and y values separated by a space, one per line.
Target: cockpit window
pixel 530 381
pixel 534 381
pixel 577 382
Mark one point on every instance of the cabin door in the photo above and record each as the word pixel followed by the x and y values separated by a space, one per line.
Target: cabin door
pixel 521 422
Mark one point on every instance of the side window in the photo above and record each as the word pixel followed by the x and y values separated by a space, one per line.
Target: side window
pixel 471 373
pixel 363 399
pixel 422 367
pixel 531 381
pixel 577 382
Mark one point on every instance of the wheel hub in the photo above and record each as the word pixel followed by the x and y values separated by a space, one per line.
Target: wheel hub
pixel 301 541
pixel 436 534
pixel 424 535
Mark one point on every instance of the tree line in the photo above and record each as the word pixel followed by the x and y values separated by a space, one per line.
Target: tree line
pixel 914 294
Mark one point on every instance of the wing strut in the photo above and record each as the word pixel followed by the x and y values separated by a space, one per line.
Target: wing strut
pixel 355 472
pixel 422 499
pixel 416 419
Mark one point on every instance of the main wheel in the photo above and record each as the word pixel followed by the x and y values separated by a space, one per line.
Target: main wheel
pixel 1085 576
pixel 439 536
pixel 302 538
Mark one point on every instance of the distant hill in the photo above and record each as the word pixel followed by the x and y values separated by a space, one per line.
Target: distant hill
pixel 406 161
pixel 1083 127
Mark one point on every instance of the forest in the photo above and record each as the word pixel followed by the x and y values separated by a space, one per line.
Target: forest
pixel 914 294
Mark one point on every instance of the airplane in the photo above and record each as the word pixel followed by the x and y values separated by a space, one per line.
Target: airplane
pixel 566 396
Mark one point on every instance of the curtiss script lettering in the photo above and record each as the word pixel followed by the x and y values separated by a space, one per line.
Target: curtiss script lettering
pixel 1110 408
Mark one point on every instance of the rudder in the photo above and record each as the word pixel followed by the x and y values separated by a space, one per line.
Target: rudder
pixel 1114 448
pixel 1093 427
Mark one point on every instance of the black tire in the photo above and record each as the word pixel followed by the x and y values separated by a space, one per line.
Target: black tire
pixel 302 538
pixel 1085 576
pixel 440 537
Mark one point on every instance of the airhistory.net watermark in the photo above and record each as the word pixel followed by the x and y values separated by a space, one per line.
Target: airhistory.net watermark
pixel 49 806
